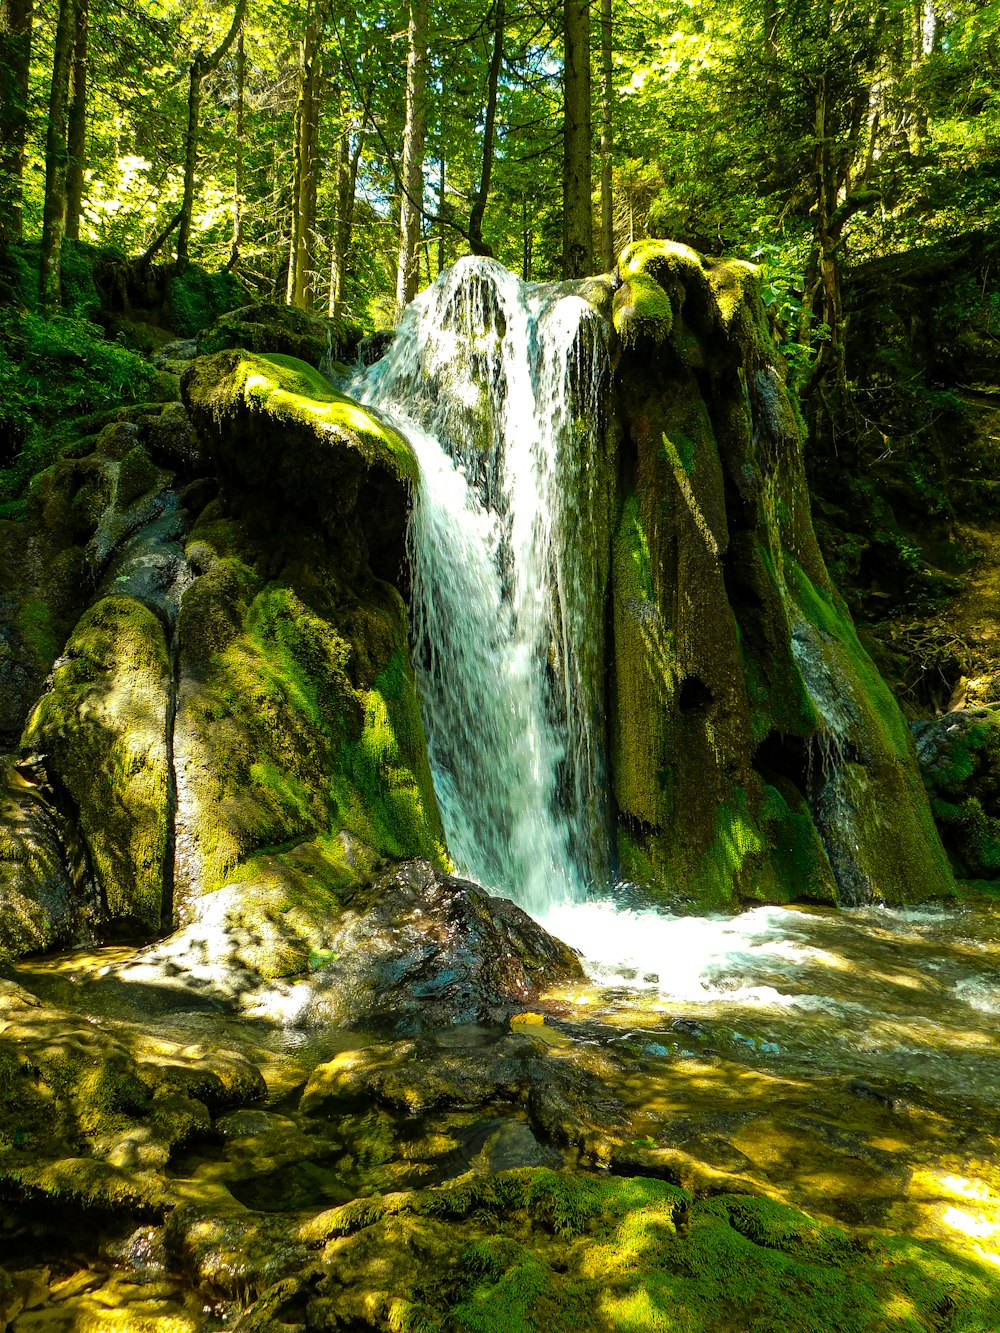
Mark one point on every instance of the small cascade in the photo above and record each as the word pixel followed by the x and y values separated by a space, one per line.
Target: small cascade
pixel 497 386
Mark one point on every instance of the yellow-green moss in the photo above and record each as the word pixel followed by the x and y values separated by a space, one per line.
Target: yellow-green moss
pixel 103 729
pixel 37 627
pixel 291 391
pixel 642 309
pixel 888 795
pixel 547 1252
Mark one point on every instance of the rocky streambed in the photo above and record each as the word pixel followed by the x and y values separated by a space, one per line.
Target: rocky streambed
pixel 793 1124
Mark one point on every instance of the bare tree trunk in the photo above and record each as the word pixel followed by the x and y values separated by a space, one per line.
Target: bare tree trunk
pixel 15 64
pixel 77 132
pixel 607 140
pixel 476 243
pixel 200 66
pixel 301 255
pixel 412 184
pixel 578 241
pixel 56 161
pixel 241 74
pixel 831 360
pixel 195 75
pixel 348 157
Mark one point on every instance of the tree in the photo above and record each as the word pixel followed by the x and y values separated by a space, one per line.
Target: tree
pixel 476 243
pixel 15 65
pixel 411 193
pixel 302 249
pixel 201 64
pixel 578 241
pixel 56 161
pixel 77 122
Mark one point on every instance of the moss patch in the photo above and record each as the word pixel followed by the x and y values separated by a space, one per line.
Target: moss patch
pixel 526 1251
pixel 102 730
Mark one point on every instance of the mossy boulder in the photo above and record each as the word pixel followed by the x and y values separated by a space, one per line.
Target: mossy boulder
pixel 319 935
pixel 530 1249
pixel 88 1120
pixel 102 735
pixel 297 718
pixel 274 425
pixel 756 752
pixel 39 905
pixel 268 327
pixel 960 761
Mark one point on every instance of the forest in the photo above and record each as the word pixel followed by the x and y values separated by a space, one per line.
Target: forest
pixel 500 666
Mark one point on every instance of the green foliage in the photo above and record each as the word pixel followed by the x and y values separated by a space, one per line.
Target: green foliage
pixel 197 297
pixel 53 371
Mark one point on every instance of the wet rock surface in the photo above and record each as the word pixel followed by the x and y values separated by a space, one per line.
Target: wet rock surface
pixel 415 950
pixel 591 1157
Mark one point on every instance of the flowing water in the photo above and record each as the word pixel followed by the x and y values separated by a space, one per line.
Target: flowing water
pixel 497 386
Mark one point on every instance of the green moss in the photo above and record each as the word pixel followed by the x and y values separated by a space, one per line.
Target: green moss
pixel 661 260
pixel 37 627
pixel 136 476
pixel 736 840
pixel 885 776
pixel 268 327
pixel 291 393
pixel 384 790
pixel 103 729
pixel 195 298
pixel 547 1252
pixel 296 390
pixel 799 862
pixel 642 309
pixel 313 730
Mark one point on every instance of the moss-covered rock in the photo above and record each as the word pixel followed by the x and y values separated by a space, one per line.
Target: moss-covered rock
pixel 275 425
pixel 525 1250
pixel 268 327
pixel 756 753
pixel 39 905
pixel 960 761
pixel 102 733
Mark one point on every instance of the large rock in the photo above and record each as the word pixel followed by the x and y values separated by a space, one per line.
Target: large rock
pixel 102 734
pixel 756 752
pixel 40 905
pixel 415 949
pixel 960 760
pixel 268 327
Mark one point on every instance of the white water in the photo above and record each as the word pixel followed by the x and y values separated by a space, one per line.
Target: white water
pixel 496 384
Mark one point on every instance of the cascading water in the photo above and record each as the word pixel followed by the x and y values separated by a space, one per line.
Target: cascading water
pixel 496 384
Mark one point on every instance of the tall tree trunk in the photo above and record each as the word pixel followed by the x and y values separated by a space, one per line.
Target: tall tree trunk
pixel 77 131
pixel 412 184
pixel 578 241
pixel 56 161
pixel 15 63
pixel 830 363
pixel 195 76
pixel 201 65
pixel 301 254
pixel 348 157
pixel 607 139
pixel 476 242
pixel 241 76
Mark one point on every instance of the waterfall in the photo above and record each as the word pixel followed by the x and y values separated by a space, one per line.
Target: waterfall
pixel 497 386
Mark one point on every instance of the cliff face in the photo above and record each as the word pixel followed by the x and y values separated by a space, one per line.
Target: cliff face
pixel 756 752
